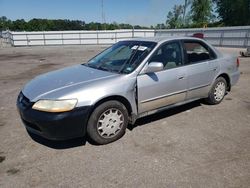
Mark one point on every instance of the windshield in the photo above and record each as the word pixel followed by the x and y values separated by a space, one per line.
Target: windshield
pixel 122 57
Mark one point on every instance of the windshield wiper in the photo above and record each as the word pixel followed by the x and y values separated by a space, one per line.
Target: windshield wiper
pixel 106 69
pixel 96 67
pixel 89 65
pixel 103 68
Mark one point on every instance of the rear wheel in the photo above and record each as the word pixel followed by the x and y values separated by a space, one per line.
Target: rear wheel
pixel 108 122
pixel 218 91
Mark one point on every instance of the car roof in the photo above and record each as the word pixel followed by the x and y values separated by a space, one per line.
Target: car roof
pixel 162 39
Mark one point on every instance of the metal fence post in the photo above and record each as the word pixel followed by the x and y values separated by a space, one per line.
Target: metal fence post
pixel 11 39
pixel 80 38
pixel 8 37
pixel 27 39
pixel 97 37
pixel 44 42
pixel 62 39
pixel 221 38
pixel 247 36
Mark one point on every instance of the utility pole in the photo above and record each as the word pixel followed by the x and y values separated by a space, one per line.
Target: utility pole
pixel 186 4
pixel 103 16
pixel 184 12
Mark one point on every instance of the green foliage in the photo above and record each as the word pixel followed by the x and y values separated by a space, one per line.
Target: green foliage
pixel 175 17
pixel 160 26
pixel 201 12
pixel 4 23
pixel 233 12
pixel 59 25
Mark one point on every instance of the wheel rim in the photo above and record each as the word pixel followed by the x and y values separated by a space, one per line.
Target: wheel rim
pixel 219 91
pixel 110 123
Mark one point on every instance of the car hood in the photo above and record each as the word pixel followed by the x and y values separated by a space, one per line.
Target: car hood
pixel 56 80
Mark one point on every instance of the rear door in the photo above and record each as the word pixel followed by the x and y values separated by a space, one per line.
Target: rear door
pixel 164 87
pixel 201 65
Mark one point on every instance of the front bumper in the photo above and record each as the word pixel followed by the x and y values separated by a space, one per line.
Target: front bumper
pixel 53 126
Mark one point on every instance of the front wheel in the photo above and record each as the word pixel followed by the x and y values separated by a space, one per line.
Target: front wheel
pixel 108 122
pixel 218 91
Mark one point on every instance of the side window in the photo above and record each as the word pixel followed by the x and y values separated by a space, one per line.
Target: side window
pixel 197 52
pixel 169 54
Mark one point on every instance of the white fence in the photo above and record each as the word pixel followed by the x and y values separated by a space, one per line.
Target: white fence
pixel 224 36
pixel 75 37
pixel 227 36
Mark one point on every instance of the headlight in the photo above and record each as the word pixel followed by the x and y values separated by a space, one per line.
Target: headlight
pixel 55 105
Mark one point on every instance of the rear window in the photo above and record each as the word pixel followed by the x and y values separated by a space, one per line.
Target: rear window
pixel 197 52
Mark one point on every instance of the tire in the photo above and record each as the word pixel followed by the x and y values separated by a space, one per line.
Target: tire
pixel 217 92
pixel 108 122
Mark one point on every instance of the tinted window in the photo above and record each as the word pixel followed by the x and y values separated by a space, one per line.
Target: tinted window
pixel 169 54
pixel 197 52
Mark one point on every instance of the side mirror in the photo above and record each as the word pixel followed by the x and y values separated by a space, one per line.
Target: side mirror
pixel 154 67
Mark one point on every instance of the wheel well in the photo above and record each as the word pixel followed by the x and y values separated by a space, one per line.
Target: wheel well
pixel 226 77
pixel 121 99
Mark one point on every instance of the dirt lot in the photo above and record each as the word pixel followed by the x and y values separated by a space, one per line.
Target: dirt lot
pixel 195 145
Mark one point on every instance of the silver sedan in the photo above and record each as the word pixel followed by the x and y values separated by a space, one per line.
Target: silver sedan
pixel 129 80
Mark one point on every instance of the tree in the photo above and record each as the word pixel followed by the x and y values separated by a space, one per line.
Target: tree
pixel 174 17
pixel 37 24
pixel 201 12
pixel 160 26
pixel 18 25
pixel 185 7
pixel 5 23
pixel 233 13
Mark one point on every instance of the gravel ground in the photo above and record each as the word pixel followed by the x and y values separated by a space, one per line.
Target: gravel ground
pixel 195 145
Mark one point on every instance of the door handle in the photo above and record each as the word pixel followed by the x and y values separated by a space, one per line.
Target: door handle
pixel 181 78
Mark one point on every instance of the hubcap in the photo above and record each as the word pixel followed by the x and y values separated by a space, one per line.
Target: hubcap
pixel 219 91
pixel 110 123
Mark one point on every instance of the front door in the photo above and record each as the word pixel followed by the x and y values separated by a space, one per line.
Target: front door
pixel 166 87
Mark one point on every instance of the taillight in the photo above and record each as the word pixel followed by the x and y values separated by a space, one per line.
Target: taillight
pixel 237 62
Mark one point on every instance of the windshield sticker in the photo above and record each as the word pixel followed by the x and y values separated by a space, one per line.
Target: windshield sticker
pixel 141 48
pixel 134 47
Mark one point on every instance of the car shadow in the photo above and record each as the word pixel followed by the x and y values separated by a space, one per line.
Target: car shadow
pixel 55 144
pixel 165 113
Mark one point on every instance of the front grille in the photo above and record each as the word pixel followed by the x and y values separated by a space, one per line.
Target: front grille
pixel 24 101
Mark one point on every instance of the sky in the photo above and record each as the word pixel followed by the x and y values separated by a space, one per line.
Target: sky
pixel 134 12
